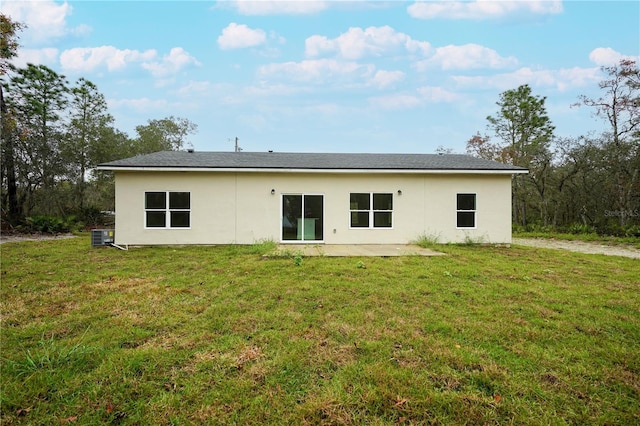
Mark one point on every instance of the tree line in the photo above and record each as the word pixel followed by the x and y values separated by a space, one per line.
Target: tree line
pixel 54 133
pixel 583 184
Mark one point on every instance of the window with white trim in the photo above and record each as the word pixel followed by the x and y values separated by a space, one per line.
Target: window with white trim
pixel 371 210
pixel 466 210
pixel 166 209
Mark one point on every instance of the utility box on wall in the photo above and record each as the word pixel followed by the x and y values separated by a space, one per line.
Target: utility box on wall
pixel 102 237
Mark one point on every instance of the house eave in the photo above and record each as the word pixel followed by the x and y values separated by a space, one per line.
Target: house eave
pixel 319 171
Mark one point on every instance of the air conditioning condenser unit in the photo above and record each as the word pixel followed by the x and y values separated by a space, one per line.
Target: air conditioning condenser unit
pixel 102 237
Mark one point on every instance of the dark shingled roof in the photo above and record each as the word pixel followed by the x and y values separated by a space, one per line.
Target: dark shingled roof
pixel 308 161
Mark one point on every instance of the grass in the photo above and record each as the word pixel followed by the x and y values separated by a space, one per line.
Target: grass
pixel 222 335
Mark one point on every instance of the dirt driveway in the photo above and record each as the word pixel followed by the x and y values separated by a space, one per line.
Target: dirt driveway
pixel 579 246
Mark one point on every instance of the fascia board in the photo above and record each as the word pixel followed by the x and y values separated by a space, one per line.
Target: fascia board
pixel 320 171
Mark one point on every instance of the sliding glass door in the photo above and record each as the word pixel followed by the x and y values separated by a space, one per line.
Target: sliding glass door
pixel 302 217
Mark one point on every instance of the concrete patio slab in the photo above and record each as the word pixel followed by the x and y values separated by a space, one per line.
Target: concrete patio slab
pixel 357 250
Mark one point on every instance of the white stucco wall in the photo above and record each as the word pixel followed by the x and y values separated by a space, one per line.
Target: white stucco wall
pixel 239 208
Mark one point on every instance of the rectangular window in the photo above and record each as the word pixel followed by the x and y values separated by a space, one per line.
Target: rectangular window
pixel 371 210
pixel 165 209
pixel 466 210
pixel 302 217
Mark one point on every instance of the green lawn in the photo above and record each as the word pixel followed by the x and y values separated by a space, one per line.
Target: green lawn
pixel 222 335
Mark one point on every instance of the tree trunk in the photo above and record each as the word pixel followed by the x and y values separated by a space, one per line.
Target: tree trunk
pixel 13 208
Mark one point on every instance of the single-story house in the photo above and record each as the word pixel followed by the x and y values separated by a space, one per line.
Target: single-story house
pixel 186 197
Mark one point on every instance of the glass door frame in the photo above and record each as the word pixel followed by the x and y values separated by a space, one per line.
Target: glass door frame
pixel 303 195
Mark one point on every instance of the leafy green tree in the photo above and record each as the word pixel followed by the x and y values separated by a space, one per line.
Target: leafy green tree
pixel 112 145
pixel 568 162
pixel 482 147
pixel 620 107
pixel 80 149
pixel 167 134
pixel 38 100
pixel 8 41
pixel 525 131
pixel 53 136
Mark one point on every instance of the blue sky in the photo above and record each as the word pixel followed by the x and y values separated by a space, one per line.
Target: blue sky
pixel 331 76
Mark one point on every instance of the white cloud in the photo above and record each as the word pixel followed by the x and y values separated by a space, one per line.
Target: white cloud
pixel 436 94
pixel 140 105
pixel 172 63
pixel 45 20
pixel 424 95
pixel 194 88
pixel 268 90
pixel 317 71
pixel 278 7
pixel 606 56
pixel 236 36
pixel 482 9
pixel 84 59
pixel 383 79
pixel 87 59
pixel 562 79
pixel 468 56
pixel 396 101
pixel 46 56
pixel 567 78
pixel 317 45
pixel 357 43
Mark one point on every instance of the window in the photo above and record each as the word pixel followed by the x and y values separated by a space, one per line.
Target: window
pixel 370 210
pixel 174 214
pixel 466 210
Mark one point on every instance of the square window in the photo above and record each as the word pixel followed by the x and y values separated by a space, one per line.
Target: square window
pixel 371 210
pixel 383 201
pixel 466 220
pixel 156 219
pixel 180 219
pixel 359 219
pixel 466 202
pixel 179 200
pixel 165 209
pixel 382 219
pixel 155 200
pixel 360 201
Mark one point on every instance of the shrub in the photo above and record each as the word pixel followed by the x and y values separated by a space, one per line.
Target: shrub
pixel 426 240
pixel 264 246
pixel 632 231
pixel 46 224
pixel 579 228
pixel 51 224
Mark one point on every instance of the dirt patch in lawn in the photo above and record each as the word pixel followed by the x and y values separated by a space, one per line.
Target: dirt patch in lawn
pixel 579 247
pixel 15 238
pixel 357 250
pixel 397 250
